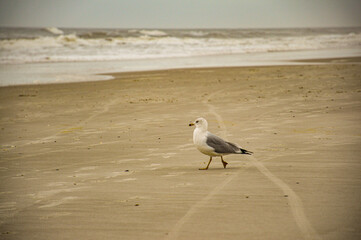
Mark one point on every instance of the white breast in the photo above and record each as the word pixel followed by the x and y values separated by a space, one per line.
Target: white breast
pixel 200 139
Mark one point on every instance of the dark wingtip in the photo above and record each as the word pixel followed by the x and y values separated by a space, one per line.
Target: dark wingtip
pixel 244 151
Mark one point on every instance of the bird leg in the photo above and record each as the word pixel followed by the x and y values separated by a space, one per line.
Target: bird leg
pixel 210 160
pixel 224 162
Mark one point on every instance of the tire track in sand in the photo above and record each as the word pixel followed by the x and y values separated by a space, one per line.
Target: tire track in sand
pixel 294 201
pixel 57 135
pixel 174 233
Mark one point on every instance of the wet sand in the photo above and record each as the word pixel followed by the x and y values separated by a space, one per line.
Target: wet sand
pixel 115 159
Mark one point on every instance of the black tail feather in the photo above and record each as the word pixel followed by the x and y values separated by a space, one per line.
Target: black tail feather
pixel 244 151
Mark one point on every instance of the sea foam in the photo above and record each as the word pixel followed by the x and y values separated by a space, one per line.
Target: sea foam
pixel 54 30
pixel 69 45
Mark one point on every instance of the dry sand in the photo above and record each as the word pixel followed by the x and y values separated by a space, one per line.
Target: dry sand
pixel 115 160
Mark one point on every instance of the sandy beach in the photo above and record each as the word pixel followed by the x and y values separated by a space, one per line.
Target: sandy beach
pixel 115 159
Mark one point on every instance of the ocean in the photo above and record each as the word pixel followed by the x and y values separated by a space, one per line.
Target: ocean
pixel 50 55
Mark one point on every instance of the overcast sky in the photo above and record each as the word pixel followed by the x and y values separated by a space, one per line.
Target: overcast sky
pixel 180 13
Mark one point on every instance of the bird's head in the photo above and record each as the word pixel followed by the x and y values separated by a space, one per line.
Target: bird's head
pixel 200 123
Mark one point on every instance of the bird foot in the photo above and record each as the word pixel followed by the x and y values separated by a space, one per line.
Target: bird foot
pixel 203 168
pixel 224 164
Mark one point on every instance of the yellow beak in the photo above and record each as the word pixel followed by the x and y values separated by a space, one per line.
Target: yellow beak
pixel 191 124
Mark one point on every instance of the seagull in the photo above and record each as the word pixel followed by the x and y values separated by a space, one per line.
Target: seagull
pixel 212 145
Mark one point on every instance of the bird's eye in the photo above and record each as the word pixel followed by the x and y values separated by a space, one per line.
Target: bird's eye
pixel 197 121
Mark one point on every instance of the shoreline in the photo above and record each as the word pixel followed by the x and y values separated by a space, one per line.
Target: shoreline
pixel 341 60
pixel 115 158
pixel 64 72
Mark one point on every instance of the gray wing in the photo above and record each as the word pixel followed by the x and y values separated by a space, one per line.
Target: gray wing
pixel 221 146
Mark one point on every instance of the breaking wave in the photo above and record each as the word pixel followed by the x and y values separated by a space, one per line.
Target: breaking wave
pixel 54 30
pixel 56 45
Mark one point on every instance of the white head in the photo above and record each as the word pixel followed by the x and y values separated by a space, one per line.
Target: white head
pixel 200 123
